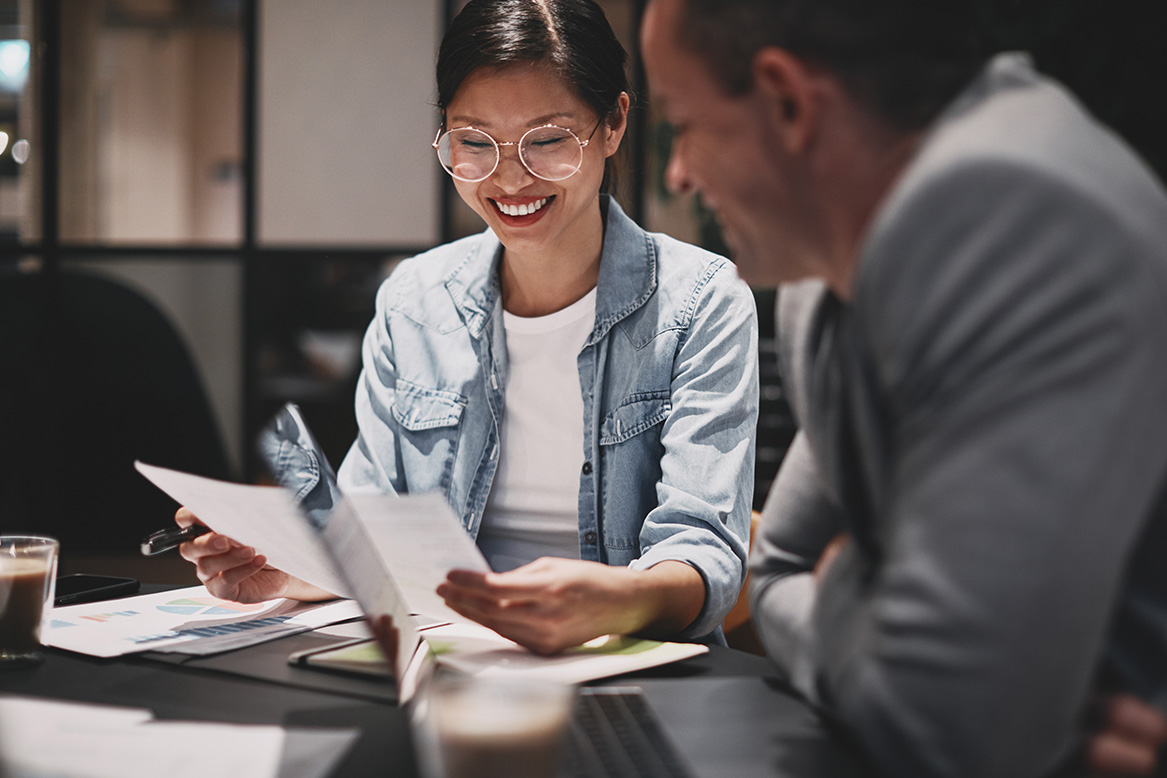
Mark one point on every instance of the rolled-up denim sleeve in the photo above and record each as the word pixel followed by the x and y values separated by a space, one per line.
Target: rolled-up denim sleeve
pixel 705 490
pixel 373 462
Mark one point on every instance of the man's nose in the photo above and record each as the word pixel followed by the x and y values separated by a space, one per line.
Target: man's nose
pixel 677 178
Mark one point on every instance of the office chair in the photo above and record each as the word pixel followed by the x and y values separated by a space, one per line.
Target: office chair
pixel 94 377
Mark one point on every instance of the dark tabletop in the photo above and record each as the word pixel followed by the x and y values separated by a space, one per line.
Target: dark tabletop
pixel 726 710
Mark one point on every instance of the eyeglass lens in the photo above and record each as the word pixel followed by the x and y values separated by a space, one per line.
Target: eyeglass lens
pixel 550 153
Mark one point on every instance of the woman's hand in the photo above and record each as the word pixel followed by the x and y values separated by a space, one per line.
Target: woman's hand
pixel 232 571
pixel 554 603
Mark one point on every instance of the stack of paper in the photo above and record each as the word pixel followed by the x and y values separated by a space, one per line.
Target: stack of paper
pixel 69 740
pixel 186 621
pixel 417 540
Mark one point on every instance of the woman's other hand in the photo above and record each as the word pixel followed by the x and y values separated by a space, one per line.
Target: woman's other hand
pixel 555 603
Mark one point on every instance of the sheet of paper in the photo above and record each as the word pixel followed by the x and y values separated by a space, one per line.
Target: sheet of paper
pixel 421 540
pixel 475 650
pixel 263 517
pixel 183 620
pixel 360 629
pixel 345 536
pixel 67 740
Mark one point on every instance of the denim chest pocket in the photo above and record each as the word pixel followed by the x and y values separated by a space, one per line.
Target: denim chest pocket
pixel 418 408
pixel 639 412
pixel 427 443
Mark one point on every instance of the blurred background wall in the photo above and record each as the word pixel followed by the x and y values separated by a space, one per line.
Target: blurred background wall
pixel 198 199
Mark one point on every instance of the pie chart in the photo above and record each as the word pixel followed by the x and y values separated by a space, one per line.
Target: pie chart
pixel 205 606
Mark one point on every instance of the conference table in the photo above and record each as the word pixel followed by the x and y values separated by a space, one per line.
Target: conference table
pixel 727 711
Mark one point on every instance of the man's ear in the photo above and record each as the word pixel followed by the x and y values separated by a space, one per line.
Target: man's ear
pixel 616 125
pixel 787 87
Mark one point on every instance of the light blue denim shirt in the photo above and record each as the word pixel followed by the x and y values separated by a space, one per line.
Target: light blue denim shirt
pixel 669 379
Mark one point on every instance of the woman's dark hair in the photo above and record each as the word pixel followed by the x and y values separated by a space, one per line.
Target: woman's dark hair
pixel 905 59
pixel 572 36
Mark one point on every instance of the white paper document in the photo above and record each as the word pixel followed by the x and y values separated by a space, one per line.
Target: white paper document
pixel 418 536
pixel 188 621
pixel 478 651
pixel 366 536
pixel 44 739
pixel 263 517
pixel 51 739
pixel 421 540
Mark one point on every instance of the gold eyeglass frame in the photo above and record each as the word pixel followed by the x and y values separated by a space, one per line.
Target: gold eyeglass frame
pixel 498 151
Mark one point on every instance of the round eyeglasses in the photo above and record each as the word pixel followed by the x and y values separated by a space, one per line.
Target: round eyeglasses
pixel 549 152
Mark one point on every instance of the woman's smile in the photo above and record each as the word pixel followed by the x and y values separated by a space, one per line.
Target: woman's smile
pixel 517 212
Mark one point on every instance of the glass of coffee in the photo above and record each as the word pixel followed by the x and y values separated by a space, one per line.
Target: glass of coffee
pixel 484 727
pixel 28 573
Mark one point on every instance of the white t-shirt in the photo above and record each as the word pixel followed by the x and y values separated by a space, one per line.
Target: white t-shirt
pixel 533 507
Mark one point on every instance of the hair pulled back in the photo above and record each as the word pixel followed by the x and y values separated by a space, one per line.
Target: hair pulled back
pixel 572 36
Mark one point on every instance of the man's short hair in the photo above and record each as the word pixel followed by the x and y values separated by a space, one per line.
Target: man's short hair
pixel 904 59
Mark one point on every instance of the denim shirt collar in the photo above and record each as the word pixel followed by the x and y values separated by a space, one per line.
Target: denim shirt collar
pixel 628 275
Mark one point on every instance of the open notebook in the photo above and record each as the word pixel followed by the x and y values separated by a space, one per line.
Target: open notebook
pixel 389 553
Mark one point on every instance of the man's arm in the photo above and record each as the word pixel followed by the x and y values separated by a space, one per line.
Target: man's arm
pixel 1021 354
pixel 798 522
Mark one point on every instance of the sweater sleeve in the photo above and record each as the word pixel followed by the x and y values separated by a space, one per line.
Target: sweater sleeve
pixel 1022 363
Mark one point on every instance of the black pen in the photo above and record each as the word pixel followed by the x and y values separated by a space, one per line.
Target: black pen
pixel 166 539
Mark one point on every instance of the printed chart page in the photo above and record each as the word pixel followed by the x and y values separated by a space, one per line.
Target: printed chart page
pixel 188 621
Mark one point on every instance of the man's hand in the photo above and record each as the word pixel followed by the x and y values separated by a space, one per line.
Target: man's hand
pixel 554 603
pixel 386 636
pixel 837 544
pixel 232 571
pixel 1127 743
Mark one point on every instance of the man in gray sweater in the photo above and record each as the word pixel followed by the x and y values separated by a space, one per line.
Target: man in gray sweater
pixel 967 542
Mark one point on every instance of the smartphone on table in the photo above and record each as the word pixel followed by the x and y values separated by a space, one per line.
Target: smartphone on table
pixel 85 587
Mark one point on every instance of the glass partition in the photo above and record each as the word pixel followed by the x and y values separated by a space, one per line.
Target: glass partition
pixel 151 122
pixel 19 141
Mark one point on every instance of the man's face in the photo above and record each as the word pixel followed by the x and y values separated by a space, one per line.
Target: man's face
pixel 724 148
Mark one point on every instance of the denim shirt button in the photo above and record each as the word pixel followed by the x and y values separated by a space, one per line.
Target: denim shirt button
pixel 590 538
pixel 587 470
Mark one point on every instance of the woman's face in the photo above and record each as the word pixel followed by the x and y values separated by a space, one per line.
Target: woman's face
pixel 505 103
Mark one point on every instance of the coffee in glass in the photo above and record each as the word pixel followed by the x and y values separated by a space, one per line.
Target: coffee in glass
pixel 28 570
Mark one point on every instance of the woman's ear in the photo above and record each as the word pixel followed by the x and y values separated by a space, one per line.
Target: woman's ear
pixel 616 124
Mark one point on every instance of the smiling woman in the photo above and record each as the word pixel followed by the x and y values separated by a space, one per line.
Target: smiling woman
pixel 583 393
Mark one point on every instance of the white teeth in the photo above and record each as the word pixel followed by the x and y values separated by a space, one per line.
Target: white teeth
pixel 521 210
